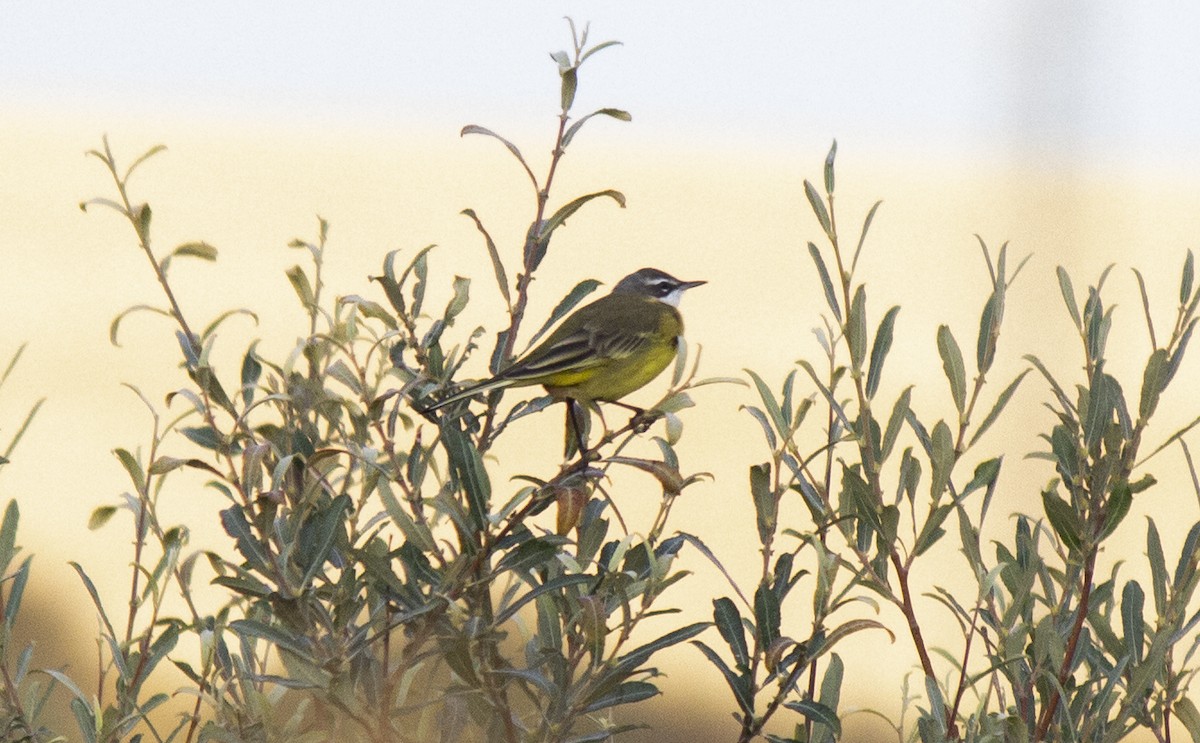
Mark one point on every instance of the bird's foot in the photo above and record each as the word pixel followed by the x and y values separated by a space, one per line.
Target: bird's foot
pixel 643 419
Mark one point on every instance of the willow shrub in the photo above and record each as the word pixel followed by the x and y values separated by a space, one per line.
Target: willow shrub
pixel 380 584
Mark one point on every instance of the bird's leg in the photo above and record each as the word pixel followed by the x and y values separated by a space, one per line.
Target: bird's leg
pixel 642 419
pixel 577 423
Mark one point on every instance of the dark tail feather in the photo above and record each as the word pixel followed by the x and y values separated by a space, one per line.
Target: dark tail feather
pixel 471 391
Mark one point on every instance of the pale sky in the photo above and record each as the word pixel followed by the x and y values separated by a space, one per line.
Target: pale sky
pixel 1080 82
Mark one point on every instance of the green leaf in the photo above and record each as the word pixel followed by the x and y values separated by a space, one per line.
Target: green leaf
pixel 8 535
pixel 251 372
pixel 1185 281
pixel 1063 519
pixel 252 628
pixel 100 517
pixel 778 418
pixel 474 129
pixel 826 283
pixel 12 603
pixel 549 586
pixel 570 82
pixel 1068 294
pixel 989 332
pixel 635 658
pixel 856 328
pixel 895 423
pixel 1177 357
pixel 998 408
pixel 319 534
pixel 941 459
pixel 494 255
pixel 1132 621
pixel 1116 508
pixel 564 212
pixel 1185 710
pixel 626 693
pixel 205 436
pixel 1158 567
pixel 370 309
pixel 1102 403
pixel 1186 567
pixel 831 690
pixel 1154 380
pixel 862 236
pixel 818 208
pixel 932 530
pixel 201 250
pixel 458 302
pixel 302 286
pixel 829 168
pixel 879 350
pixel 729 623
pixel 766 615
pixel 233 520
pixel 467 465
pixel 766 506
pixel 739 684
pixel 572 130
pixel 952 364
pixel 817 712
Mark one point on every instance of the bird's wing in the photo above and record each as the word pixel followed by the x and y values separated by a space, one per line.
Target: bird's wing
pixel 586 348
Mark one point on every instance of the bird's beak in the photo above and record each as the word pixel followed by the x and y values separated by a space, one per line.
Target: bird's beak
pixel 691 284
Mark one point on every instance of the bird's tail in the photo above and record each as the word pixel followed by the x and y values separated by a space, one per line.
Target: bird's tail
pixel 470 391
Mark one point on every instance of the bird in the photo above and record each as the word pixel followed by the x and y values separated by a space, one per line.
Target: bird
pixel 604 350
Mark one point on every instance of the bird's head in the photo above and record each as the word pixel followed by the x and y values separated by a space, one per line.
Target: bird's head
pixel 655 284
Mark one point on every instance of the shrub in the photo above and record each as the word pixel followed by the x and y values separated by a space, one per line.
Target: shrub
pixel 382 585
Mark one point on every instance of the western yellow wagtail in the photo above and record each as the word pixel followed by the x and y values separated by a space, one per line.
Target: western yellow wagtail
pixel 604 350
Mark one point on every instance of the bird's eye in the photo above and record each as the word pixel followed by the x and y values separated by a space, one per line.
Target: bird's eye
pixel 663 288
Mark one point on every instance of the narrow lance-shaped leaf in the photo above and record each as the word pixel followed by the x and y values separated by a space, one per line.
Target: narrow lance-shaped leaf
pixel 565 211
pixel 1177 357
pixel 476 129
pixel 856 328
pixel 778 417
pixel 998 408
pixel 729 623
pixel 862 236
pixel 1132 621
pixel 829 168
pixel 1158 567
pixel 766 615
pixel 826 283
pixel 615 113
pixel 952 364
pixel 1063 519
pixel 1154 379
pixel 1068 294
pixel 739 684
pixel 494 255
pixel 765 505
pixel 941 458
pixel 818 208
pixel 1185 281
pixel 989 331
pixel 8 535
pixel 879 350
pixel 1101 405
pixel 467 466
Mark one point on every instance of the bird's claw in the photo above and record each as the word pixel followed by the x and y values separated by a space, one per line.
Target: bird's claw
pixel 641 422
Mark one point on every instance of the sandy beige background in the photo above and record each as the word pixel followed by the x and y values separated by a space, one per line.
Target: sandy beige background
pixel 729 209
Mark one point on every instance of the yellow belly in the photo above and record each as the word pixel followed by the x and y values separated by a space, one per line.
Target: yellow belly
pixel 614 379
